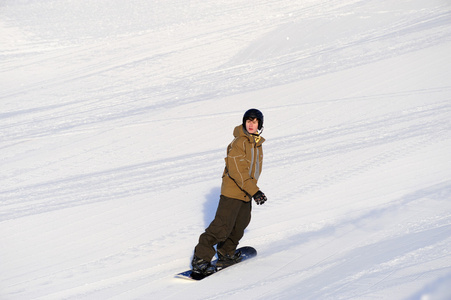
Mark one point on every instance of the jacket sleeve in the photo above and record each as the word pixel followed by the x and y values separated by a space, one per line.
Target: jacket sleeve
pixel 238 167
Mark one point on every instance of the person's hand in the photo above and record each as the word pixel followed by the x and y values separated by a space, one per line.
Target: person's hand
pixel 260 198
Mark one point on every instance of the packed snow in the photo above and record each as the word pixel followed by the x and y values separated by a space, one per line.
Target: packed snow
pixel 115 118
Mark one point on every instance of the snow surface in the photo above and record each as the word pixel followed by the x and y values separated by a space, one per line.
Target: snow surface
pixel 115 116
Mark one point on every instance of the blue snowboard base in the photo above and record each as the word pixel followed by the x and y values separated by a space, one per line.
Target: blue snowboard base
pixel 246 253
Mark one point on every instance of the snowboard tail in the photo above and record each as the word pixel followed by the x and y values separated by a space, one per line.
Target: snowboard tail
pixel 246 253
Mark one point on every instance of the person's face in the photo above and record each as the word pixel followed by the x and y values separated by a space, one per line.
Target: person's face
pixel 252 125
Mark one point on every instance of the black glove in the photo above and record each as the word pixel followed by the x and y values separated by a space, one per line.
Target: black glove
pixel 260 198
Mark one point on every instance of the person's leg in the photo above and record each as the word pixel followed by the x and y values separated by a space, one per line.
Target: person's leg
pixel 228 246
pixel 219 229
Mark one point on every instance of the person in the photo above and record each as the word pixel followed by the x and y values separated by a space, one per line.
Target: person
pixel 243 166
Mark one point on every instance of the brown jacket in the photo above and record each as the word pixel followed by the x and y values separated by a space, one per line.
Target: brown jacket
pixel 243 165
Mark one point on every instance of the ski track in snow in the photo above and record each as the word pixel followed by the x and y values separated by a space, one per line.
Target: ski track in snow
pixel 115 118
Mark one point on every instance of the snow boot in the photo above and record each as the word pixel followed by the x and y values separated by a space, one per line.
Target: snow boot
pixel 202 266
pixel 225 260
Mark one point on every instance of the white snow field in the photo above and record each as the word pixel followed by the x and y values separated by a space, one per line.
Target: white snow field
pixel 115 118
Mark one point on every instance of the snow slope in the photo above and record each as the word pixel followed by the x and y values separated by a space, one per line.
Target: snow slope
pixel 115 117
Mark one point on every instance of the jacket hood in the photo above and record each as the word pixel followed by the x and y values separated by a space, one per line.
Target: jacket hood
pixel 239 131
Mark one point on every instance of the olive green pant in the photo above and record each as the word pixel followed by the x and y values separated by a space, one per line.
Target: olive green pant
pixel 227 228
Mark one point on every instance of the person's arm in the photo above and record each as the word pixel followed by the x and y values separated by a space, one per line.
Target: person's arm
pixel 238 168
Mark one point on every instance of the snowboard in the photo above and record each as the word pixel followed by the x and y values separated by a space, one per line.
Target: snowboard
pixel 246 253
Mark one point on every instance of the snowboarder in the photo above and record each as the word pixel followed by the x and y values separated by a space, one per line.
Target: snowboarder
pixel 243 166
